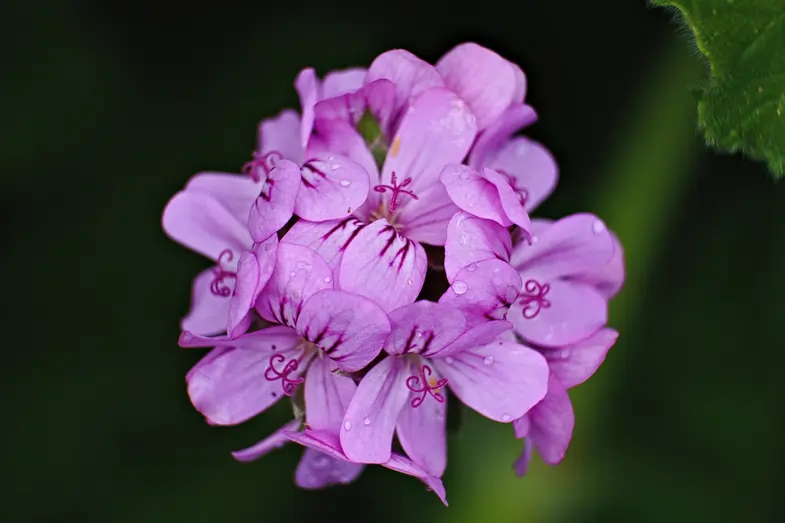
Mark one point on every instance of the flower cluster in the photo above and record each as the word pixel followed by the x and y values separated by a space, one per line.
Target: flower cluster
pixel 319 291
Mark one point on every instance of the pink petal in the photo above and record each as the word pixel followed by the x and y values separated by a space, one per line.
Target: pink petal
pixel 235 192
pixel 609 278
pixel 552 422
pixel 253 272
pixel 307 85
pixel 382 265
pixel 575 364
pixel 520 83
pixel 377 97
pixel 501 380
pixel 282 134
pixel 275 204
pixel 422 433
pixel 327 396
pixel 272 442
pixel 228 386
pixel 484 79
pixel 299 273
pixel 337 83
pixel 349 328
pixel 256 340
pixel 513 119
pixel 209 311
pixel 571 312
pixel 328 239
pixel 521 465
pixel 438 129
pixel 484 291
pixel 370 420
pixel 318 470
pixel 522 425
pixel 325 442
pixel 426 222
pixel 569 247
pixel 425 327
pixel 199 222
pixel 471 240
pixel 512 204
pixel 331 187
pixel 532 166
pixel 404 465
pixel 480 334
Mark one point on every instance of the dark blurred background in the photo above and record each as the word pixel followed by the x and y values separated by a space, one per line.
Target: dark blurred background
pixel 109 107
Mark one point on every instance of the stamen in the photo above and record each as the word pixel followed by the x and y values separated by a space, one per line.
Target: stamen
pixel 413 384
pixel 265 162
pixel 533 298
pixel 288 384
pixel 396 190
pixel 218 287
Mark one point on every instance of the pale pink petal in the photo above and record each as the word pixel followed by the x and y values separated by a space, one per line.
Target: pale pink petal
pixel 235 192
pixel 609 278
pixel 337 83
pixel 485 80
pixel 422 432
pixel 253 272
pixel 513 119
pixel 501 380
pixel 331 187
pixel 209 311
pixel 325 442
pixel 377 98
pixel 307 86
pixel 282 135
pixel 426 222
pixel 480 334
pixel 369 423
pixel 557 313
pixel 327 395
pixel 275 204
pixel 299 273
pixel 485 291
pixel 520 83
pixel 199 222
pixel 438 129
pixel 425 327
pixel 349 328
pixel 471 240
pixel 404 465
pixel 318 470
pixel 552 422
pixel 575 364
pixel 272 442
pixel 329 239
pixel 521 465
pixel 382 265
pixel 473 193
pixel 274 337
pixel 512 198
pixel 522 425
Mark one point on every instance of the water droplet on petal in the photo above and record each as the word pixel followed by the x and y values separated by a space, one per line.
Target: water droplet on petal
pixel 366 421
pixel 564 354
pixel 347 425
pixel 598 227
pixel 418 334
pixel 471 267
pixel 449 360
pixel 345 183
pixel 459 287
pixel 534 240
pixel 410 282
pixel 335 167
pixel 506 417
pixel 464 175
pixel 327 279
pixel 292 274
pixel 488 360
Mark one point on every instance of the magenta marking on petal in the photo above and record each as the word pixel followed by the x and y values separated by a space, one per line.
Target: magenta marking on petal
pixel 396 190
pixel 217 286
pixel 413 383
pixel 265 162
pixel 352 236
pixel 288 384
pixel 533 298
pixel 410 343
pixel 401 253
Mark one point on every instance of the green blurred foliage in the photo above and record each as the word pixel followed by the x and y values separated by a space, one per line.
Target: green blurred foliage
pixel 109 108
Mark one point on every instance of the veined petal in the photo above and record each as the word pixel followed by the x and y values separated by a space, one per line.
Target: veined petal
pixel 557 313
pixel 307 86
pixel 275 204
pixel 485 80
pixel 318 470
pixel 349 328
pixel 609 278
pixel 377 97
pixel 575 364
pixel 438 129
pixel 481 334
pixel 471 240
pixel 426 222
pixel 512 198
pixel 569 247
pixel 331 186
pixel 370 420
pixel 484 292
pixel 337 83
pixel 552 422
pixel 199 222
pixel 501 380
pixel 514 118
pixel 235 192
pixel 253 272
pixel 299 273
pixel 282 134
pixel 382 265
pixel 327 396
pixel 209 311
pixel 425 327
pixel 329 238
pixel 272 442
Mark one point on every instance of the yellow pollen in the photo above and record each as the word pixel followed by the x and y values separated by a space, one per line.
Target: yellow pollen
pixel 432 382
pixel 396 146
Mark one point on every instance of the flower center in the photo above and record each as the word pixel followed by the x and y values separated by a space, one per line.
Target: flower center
pixel 533 298
pixel 272 373
pixel 261 165
pixel 218 286
pixel 521 192
pixel 424 385
pixel 396 190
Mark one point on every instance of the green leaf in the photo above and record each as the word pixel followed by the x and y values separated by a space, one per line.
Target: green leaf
pixel 743 106
pixel 372 133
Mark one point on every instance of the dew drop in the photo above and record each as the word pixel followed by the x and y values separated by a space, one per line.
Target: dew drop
pixel 488 360
pixel 366 421
pixel 345 183
pixel 464 175
pixel 347 425
pixel 410 282
pixel 460 287
pixel 449 360
pixel 327 279
pixel 471 267
pixel 418 334
pixel 335 167
pixel 506 417
pixel 598 227
pixel 564 354
pixel 292 274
